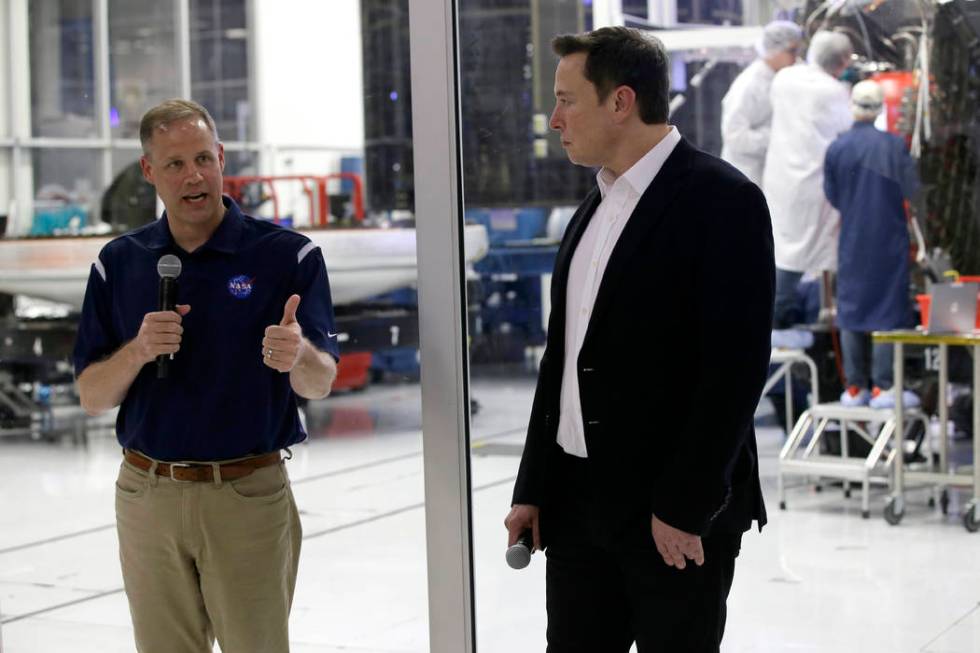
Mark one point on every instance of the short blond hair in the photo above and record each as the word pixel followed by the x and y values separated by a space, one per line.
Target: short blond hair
pixel 170 111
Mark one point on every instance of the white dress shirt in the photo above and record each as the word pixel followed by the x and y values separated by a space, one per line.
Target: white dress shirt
pixel 619 197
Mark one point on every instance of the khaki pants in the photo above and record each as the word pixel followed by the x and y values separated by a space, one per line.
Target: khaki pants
pixel 206 560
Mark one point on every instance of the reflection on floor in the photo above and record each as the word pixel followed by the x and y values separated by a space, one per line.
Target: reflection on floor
pixel 818 579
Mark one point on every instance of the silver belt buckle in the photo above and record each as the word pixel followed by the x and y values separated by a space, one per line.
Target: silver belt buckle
pixel 175 465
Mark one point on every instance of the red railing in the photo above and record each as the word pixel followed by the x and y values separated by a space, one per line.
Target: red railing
pixel 314 187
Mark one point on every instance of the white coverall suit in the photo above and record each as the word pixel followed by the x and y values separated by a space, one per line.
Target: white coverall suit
pixel 809 110
pixel 746 113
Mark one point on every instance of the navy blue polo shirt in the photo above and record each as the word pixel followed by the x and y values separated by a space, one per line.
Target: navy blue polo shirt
pixel 219 401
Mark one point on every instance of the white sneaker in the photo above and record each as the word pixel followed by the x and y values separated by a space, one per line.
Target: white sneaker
pixel 853 396
pixel 886 399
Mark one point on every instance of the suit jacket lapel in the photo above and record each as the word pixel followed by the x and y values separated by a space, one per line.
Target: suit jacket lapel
pixel 648 214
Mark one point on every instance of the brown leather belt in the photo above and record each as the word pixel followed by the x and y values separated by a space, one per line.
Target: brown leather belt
pixel 203 472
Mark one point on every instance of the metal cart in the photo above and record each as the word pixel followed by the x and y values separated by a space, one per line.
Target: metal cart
pixel 942 476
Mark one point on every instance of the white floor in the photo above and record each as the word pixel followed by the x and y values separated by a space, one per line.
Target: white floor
pixel 819 578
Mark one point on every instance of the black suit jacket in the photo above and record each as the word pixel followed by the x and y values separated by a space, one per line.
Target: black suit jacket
pixel 673 362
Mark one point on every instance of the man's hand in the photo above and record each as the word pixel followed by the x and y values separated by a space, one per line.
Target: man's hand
pixel 675 545
pixel 160 333
pixel 283 343
pixel 521 518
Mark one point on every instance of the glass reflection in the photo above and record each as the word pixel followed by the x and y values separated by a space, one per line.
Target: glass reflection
pixel 142 60
pixel 358 478
pixel 220 66
pixel 62 68
pixel 66 191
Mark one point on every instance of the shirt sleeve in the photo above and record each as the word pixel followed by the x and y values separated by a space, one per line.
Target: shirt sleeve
pixel 315 313
pixel 96 338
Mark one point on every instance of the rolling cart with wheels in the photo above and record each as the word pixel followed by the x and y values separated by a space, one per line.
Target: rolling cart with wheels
pixel 942 475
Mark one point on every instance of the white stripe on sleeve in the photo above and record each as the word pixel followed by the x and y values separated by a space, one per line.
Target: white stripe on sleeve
pixel 309 247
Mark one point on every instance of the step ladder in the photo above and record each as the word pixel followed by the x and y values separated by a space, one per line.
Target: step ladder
pixel 800 455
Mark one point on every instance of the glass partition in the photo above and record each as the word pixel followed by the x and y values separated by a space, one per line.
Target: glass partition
pixel 294 155
pixel 143 60
pixel 519 184
pixel 220 65
pixel 62 61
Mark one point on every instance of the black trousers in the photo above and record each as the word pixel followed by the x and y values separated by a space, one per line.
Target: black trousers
pixel 601 598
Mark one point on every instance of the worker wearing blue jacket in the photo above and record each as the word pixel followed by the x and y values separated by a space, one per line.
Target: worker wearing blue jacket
pixel 868 174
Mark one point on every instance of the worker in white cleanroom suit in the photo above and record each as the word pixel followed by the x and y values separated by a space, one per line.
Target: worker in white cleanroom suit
pixel 745 110
pixel 810 108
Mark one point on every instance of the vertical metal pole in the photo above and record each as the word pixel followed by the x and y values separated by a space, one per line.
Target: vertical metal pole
pixel 6 77
pixel 788 388
pixel 899 459
pixel 662 13
pixel 943 407
pixel 442 325
pixel 19 95
pixel 976 430
pixel 254 77
pixel 103 96
pixel 182 45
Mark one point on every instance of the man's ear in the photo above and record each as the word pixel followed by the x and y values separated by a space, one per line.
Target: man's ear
pixel 221 156
pixel 147 169
pixel 624 101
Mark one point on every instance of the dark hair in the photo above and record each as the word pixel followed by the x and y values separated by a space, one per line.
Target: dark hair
pixel 620 56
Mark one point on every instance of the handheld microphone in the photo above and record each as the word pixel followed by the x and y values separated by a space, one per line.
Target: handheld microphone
pixel 519 554
pixel 168 267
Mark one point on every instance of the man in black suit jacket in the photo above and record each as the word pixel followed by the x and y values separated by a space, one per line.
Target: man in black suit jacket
pixel 640 456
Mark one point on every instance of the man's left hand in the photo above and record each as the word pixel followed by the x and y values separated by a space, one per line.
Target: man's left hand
pixel 676 546
pixel 283 343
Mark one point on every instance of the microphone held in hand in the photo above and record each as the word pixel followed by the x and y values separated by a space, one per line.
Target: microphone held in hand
pixel 519 554
pixel 168 267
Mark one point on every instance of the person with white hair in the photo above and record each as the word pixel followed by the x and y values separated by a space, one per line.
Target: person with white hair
pixel 810 108
pixel 868 175
pixel 745 110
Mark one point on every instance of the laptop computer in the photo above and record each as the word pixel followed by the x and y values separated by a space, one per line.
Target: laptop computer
pixel 953 308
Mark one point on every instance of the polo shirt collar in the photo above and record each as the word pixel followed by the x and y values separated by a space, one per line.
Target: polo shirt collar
pixel 225 238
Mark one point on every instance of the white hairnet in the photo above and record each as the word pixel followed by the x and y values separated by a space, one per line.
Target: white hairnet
pixel 778 36
pixel 829 50
pixel 866 100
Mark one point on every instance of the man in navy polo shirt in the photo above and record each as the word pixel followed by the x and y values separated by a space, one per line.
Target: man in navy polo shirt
pixel 209 534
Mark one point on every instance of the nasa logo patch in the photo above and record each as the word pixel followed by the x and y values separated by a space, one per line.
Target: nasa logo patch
pixel 240 286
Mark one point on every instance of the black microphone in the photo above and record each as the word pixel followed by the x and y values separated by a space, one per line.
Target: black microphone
pixel 519 554
pixel 168 267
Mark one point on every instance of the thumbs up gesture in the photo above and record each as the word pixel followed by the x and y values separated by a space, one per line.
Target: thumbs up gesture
pixel 283 343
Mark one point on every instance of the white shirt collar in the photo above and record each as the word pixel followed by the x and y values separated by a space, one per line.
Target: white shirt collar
pixel 641 174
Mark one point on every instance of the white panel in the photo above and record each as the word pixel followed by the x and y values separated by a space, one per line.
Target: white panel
pixel 708 38
pixel 607 13
pixel 307 72
pixel 662 13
